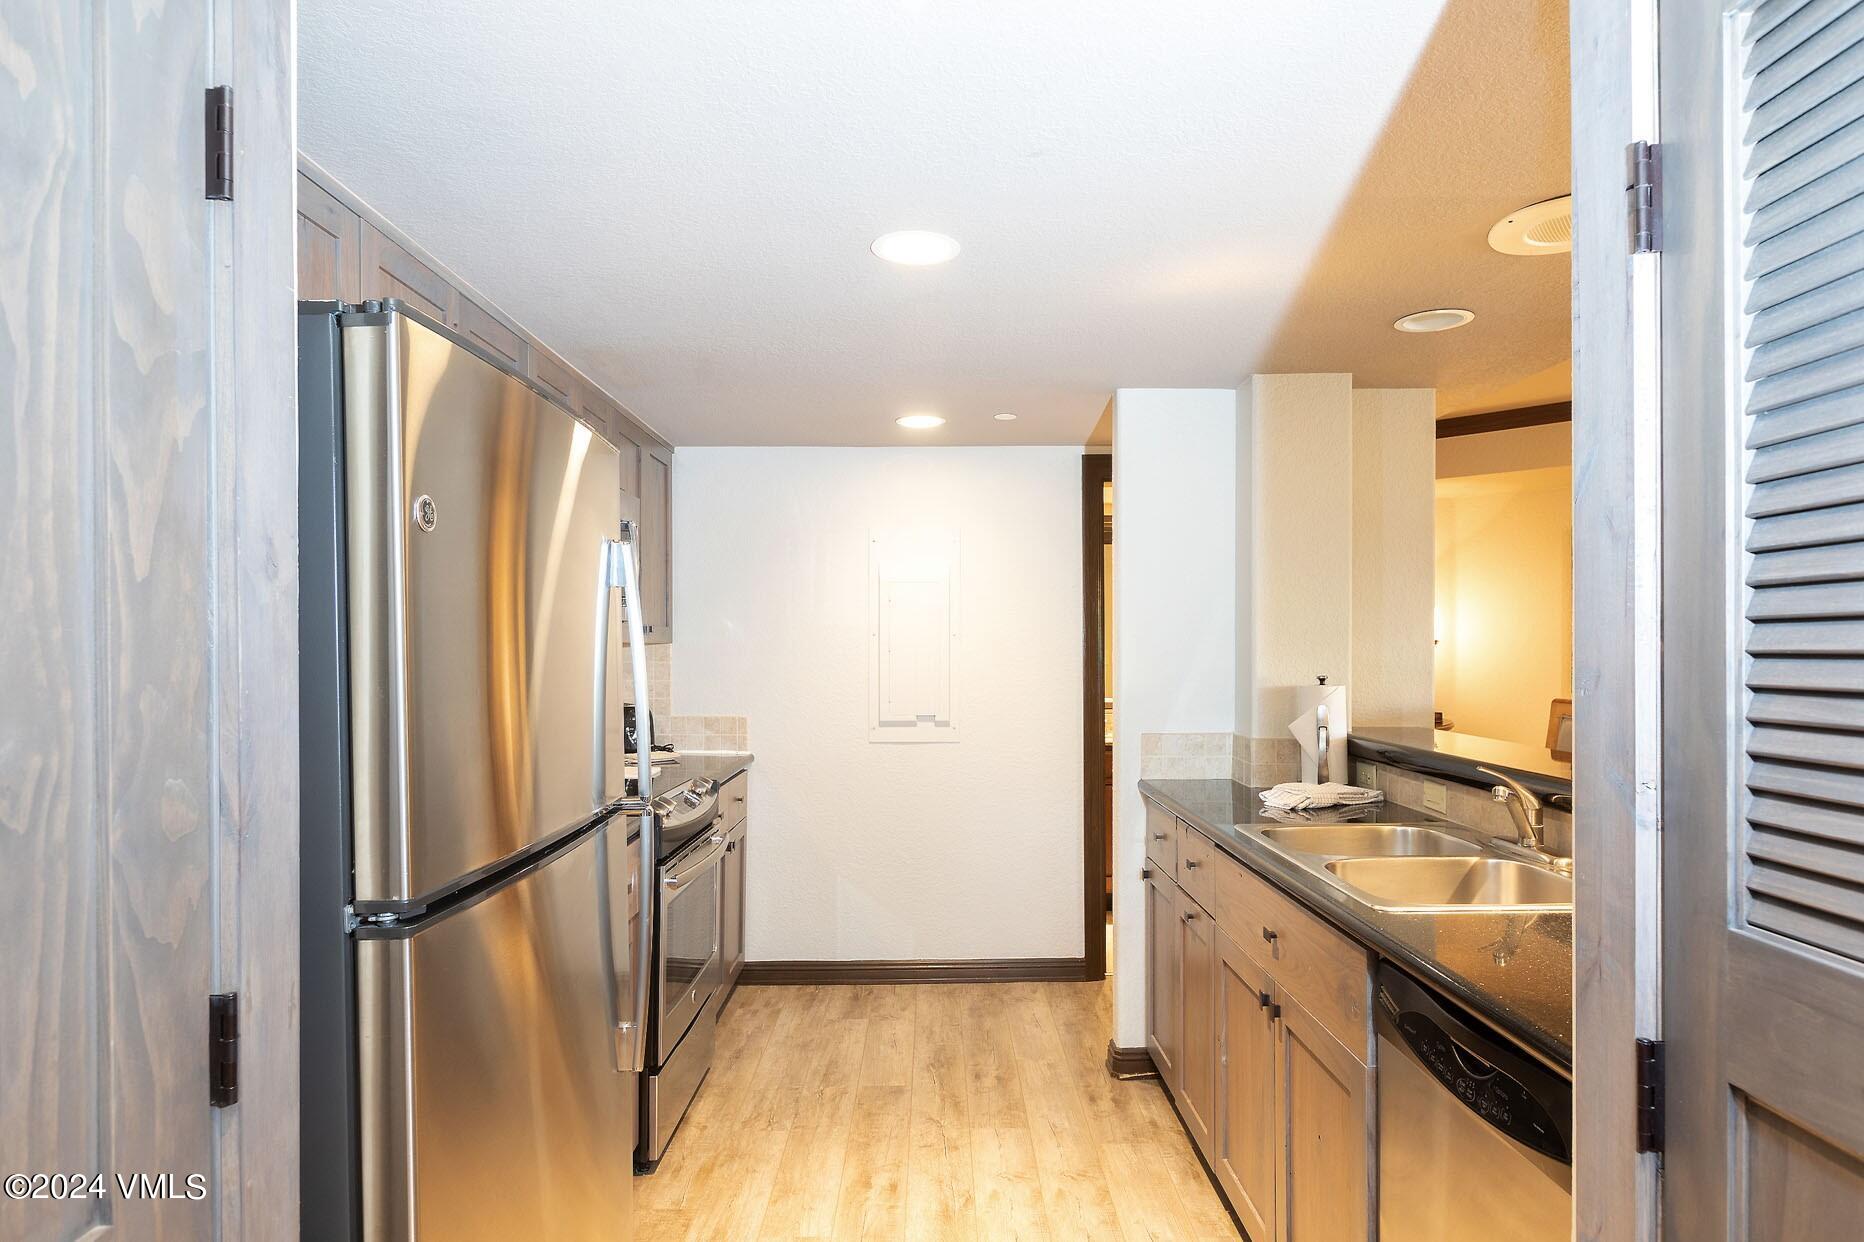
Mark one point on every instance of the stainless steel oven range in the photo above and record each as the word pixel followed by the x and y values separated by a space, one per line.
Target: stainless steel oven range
pixel 687 965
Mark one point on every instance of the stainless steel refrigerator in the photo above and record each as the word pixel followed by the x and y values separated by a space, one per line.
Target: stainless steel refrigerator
pixel 471 993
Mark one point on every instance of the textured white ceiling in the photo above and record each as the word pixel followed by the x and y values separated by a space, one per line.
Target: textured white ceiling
pixel 679 196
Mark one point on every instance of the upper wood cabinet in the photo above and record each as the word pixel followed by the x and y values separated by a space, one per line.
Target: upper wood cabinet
pixel 554 376
pixel 389 271
pixel 329 246
pixel 346 253
pixel 488 332
pixel 622 435
pixel 657 543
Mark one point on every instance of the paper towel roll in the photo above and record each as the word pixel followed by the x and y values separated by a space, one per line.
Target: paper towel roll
pixel 1306 730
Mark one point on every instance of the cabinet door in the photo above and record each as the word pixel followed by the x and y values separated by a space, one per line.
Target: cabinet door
pixel 329 246
pixel 731 934
pixel 484 329
pixel 594 407
pixel 1164 948
pixel 1197 1047
pixel 624 435
pixel 388 271
pixel 1327 1117
pixel 1245 1127
pixel 553 375
pixel 657 543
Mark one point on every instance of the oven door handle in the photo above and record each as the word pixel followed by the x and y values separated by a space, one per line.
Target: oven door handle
pixel 714 851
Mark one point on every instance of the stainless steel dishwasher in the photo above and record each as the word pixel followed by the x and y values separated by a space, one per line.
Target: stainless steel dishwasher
pixel 1475 1133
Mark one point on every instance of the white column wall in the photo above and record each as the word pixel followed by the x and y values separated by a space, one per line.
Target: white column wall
pixel 1175 563
pixel 1394 554
pixel 1300 558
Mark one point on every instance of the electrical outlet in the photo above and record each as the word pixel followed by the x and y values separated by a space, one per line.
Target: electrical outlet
pixel 1436 797
pixel 1366 775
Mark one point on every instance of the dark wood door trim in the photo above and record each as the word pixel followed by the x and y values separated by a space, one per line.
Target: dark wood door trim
pixel 969 970
pixel 1505 420
pixel 1096 471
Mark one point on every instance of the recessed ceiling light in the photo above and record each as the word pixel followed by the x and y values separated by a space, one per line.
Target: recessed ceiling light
pixel 919 422
pixel 915 247
pixel 1005 417
pixel 1440 320
pixel 1542 228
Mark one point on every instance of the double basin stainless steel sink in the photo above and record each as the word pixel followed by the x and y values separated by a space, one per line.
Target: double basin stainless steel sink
pixel 1408 867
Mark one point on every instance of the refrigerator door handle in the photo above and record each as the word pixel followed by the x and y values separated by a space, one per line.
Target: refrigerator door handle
pixel 624 572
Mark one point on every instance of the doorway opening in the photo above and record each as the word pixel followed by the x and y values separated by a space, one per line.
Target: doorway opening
pixel 1096 711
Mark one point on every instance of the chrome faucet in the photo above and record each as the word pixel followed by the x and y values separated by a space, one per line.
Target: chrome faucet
pixel 1530 819
pixel 1529 816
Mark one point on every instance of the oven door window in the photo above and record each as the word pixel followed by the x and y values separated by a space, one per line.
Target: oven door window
pixel 689 952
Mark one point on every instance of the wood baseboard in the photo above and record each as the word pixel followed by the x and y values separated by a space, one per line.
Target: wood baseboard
pixel 1130 1062
pixel 977 970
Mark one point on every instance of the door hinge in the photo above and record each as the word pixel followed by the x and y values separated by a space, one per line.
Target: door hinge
pixel 220 143
pixel 1650 1095
pixel 223 1049
pixel 1644 196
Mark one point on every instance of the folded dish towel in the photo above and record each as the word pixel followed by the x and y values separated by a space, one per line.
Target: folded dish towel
pixel 1296 796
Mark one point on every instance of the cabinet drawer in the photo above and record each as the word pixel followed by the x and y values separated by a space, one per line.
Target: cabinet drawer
pixel 1162 840
pixel 1197 866
pixel 733 800
pixel 1323 969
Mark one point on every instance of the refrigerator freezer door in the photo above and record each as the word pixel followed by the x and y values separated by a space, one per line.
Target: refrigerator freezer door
pixel 491 1109
pixel 478 517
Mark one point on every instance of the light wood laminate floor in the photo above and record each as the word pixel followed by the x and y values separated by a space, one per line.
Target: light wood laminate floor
pixel 972 1111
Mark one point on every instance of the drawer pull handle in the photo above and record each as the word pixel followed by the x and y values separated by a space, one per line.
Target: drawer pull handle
pixel 1274 1013
pixel 1158 836
pixel 1270 936
pixel 1189 915
pixel 1190 863
pixel 1263 998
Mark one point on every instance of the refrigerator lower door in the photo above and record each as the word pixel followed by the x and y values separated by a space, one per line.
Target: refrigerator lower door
pixel 491 1107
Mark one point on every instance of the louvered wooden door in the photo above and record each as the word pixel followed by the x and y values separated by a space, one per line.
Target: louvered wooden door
pixel 1763 656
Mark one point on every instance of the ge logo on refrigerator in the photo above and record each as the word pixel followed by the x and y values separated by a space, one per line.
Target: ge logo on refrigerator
pixel 425 516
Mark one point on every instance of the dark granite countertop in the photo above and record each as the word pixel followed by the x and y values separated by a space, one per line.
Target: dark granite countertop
pixel 1446 752
pixel 718 766
pixel 1515 969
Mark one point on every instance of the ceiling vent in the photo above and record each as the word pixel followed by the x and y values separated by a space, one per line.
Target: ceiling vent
pixel 1544 228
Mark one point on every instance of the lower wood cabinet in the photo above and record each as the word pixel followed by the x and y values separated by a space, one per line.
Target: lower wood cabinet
pixel 1246 1148
pixel 1164 974
pixel 1279 1100
pixel 1326 1104
pixel 1197 1072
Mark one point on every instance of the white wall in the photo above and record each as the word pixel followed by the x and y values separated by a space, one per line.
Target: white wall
pixel 1394 554
pixel 866 850
pixel 1504 600
pixel 1174 588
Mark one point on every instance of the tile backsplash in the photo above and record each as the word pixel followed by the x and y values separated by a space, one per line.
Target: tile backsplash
pixel 1185 756
pixel 659 679
pixel 1261 762
pixel 724 733
pixel 1470 807
pixel 1257 761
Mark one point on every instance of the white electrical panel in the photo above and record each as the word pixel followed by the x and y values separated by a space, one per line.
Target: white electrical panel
pixel 912 635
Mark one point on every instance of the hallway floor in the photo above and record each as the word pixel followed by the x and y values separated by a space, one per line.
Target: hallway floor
pixel 973 1111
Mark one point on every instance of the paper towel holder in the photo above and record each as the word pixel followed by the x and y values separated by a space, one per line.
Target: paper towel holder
pixel 1322 739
